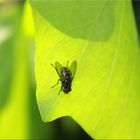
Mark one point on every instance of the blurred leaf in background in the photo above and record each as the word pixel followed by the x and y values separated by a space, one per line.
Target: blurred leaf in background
pixel 13 115
pixel 9 24
pixel 105 93
pixel 19 114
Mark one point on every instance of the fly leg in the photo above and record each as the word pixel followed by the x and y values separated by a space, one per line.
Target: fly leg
pixel 60 90
pixel 56 83
pixel 56 70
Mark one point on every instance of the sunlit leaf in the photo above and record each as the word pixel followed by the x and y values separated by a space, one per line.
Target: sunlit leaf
pixel 101 37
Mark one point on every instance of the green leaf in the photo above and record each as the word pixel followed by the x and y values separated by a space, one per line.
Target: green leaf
pixel 14 91
pixel 105 91
pixel 8 31
pixel 79 18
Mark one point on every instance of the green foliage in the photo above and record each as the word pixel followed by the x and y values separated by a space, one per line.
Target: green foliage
pixel 101 37
pixel 8 32
pixel 13 118
pixel 19 116
pixel 75 18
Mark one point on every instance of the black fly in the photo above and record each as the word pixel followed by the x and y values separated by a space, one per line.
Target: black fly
pixel 66 75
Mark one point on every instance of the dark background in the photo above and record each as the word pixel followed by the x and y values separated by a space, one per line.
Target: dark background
pixel 136 7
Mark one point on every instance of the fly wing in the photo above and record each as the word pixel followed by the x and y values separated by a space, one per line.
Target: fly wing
pixel 58 67
pixel 73 67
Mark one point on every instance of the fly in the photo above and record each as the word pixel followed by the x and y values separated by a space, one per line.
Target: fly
pixel 66 75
